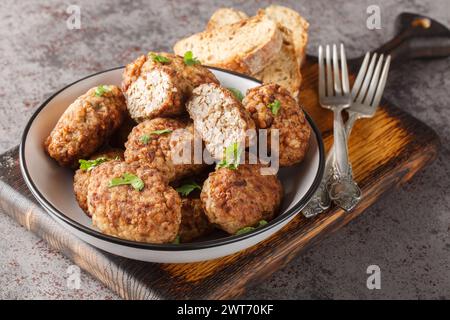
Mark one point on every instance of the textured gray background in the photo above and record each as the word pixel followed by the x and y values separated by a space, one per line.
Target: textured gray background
pixel 406 233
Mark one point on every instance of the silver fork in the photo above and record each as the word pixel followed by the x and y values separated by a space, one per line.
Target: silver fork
pixel 335 95
pixel 366 95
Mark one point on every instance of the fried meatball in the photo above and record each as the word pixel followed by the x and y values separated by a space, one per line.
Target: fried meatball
pixel 220 119
pixel 289 119
pixel 234 199
pixel 158 84
pixel 194 223
pixel 163 144
pixel 86 125
pixel 152 214
pixel 82 176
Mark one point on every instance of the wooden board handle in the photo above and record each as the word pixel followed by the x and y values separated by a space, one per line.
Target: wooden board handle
pixel 417 37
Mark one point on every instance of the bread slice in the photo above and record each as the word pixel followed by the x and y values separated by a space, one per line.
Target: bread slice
pixel 225 16
pixel 291 20
pixel 246 46
pixel 283 69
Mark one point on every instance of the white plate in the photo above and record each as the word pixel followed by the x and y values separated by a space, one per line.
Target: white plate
pixel 52 185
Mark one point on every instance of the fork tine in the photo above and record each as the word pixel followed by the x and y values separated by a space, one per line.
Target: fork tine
pixel 360 76
pixel 321 74
pixel 337 74
pixel 345 85
pixel 374 82
pixel 363 91
pixel 329 73
pixel 382 84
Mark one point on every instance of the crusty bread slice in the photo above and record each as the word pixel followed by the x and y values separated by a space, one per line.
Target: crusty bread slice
pixel 293 21
pixel 283 69
pixel 246 46
pixel 224 16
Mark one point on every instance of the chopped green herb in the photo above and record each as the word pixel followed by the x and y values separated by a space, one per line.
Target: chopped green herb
pixel 189 59
pixel 145 139
pixel 187 188
pixel 127 178
pixel 163 131
pixel 274 107
pixel 88 165
pixel 177 240
pixel 232 157
pixel 101 90
pixel 238 94
pixel 159 58
pixel 248 229
pixel 262 223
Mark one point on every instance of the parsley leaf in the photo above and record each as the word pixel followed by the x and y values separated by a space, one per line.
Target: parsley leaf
pixel 187 188
pixel 177 240
pixel 101 90
pixel 88 165
pixel 127 178
pixel 159 58
pixel 274 107
pixel 189 59
pixel 238 94
pixel 248 229
pixel 163 131
pixel 145 139
pixel 232 157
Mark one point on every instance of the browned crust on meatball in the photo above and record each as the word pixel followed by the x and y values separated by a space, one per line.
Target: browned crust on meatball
pixel 159 151
pixel 234 199
pixel 194 223
pixel 219 118
pixel 294 130
pixel 179 81
pixel 82 177
pixel 85 126
pixel 151 215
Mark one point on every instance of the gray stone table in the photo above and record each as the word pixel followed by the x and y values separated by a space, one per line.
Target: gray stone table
pixel 406 233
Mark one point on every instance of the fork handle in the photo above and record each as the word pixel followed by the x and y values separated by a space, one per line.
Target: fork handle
pixel 340 141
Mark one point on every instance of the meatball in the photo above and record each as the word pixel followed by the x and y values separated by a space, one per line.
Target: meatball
pixel 234 199
pixel 86 125
pixel 151 214
pixel 158 84
pixel 220 119
pixel 166 145
pixel 272 107
pixel 82 175
pixel 194 223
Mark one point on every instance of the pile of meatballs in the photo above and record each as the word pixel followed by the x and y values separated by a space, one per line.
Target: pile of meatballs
pixel 120 142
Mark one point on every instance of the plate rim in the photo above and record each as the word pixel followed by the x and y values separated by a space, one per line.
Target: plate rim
pixel 168 246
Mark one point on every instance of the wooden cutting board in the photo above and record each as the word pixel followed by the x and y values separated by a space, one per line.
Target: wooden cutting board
pixel 385 151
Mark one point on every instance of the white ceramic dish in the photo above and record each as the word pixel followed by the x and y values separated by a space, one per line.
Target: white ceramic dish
pixel 52 185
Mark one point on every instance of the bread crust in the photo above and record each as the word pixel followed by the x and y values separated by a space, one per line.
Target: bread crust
pixel 249 62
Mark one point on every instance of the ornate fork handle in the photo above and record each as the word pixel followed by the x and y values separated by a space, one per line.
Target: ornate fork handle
pixel 341 187
pixel 321 201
